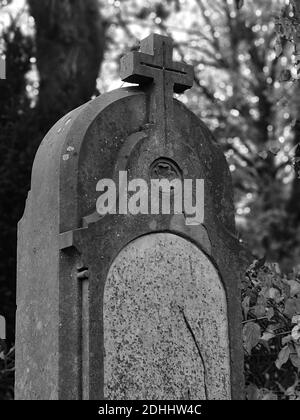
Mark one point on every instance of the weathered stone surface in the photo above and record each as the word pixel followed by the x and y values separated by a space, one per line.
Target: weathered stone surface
pixel 66 249
pixel 153 66
pixel 165 323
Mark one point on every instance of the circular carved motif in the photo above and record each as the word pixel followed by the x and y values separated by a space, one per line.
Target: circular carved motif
pixel 164 168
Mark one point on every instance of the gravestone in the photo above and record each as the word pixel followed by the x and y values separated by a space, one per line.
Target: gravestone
pixel 143 301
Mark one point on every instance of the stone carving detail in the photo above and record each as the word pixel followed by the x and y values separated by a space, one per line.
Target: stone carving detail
pixel 164 168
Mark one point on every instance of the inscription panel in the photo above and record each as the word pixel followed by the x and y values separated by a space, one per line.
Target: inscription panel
pixel 165 323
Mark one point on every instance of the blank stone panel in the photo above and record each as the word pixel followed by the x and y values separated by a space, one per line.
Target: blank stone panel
pixel 163 300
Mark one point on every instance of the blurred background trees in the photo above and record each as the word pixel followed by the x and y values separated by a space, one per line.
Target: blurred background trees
pixel 60 53
pixel 242 93
pixel 54 50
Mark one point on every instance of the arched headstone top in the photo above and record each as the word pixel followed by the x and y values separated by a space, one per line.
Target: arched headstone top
pixel 70 145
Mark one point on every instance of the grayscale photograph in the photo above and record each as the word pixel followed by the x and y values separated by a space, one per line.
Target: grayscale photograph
pixel 150 203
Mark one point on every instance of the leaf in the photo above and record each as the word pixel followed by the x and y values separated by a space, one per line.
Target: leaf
pixel 252 393
pixel 259 310
pixel 295 287
pixel 286 339
pixel 270 313
pixel 292 307
pixel 267 336
pixel 246 306
pixel 269 396
pixel 295 360
pixel 251 336
pixel 291 390
pixel 275 294
pixel 296 319
pixel 296 333
pixel 283 357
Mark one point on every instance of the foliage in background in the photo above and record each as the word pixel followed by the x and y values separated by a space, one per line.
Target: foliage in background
pixel 67 52
pixel 7 363
pixel 241 95
pixel 69 40
pixel 271 332
pixel 271 299
pixel 15 145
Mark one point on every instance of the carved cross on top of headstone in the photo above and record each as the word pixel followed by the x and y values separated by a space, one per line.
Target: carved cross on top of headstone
pixel 154 67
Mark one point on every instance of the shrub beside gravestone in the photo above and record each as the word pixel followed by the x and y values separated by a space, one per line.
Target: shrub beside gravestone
pixel 271 332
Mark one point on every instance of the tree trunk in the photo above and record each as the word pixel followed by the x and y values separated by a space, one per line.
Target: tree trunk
pixel 70 40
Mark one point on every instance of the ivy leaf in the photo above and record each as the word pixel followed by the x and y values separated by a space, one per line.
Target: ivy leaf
pixel 295 287
pixel 292 307
pixel 286 339
pixel 251 336
pixel 295 360
pixel 296 319
pixel 252 393
pixel 283 357
pixel 267 336
pixel 275 294
pixel 290 392
pixel 296 333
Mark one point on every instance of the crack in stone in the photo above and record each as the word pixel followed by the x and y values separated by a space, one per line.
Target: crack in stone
pixel 198 348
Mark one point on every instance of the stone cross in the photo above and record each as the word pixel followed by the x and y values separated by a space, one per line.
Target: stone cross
pixel 124 292
pixel 154 67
